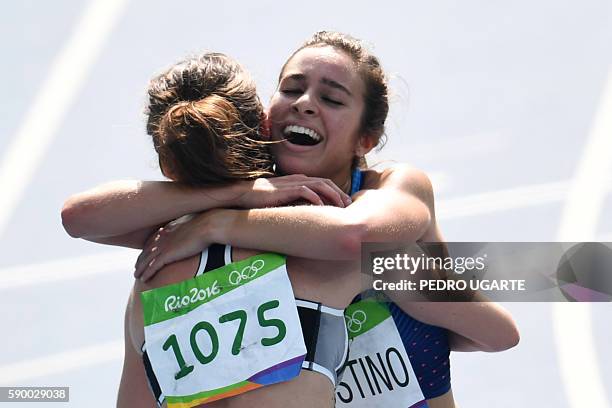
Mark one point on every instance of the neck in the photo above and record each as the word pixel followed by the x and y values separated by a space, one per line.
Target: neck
pixel 346 187
pixel 344 181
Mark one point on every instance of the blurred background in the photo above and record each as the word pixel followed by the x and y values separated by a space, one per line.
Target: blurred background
pixel 506 105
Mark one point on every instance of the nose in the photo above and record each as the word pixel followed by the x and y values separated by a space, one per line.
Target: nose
pixel 305 105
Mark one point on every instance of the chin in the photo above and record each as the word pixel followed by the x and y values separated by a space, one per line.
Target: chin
pixel 288 167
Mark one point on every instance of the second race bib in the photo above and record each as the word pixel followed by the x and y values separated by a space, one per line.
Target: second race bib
pixel 378 372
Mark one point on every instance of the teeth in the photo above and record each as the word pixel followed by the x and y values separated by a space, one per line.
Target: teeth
pixel 305 131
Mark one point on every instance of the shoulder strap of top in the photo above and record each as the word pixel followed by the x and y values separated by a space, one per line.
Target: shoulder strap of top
pixel 228 254
pixel 213 257
pixel 356 181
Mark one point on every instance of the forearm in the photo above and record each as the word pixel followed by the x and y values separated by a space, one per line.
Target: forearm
pixel 121 207
pixel 460 343
pixel 135 239
pixel 316 232
pixel 485 326
pixel 321 232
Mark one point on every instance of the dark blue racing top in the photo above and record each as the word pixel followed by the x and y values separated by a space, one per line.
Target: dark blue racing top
pixel 427 346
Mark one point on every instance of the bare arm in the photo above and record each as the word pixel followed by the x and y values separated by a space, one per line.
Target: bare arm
pixel 134 239
pixel 400 209
pixel 118 208
pixel 460 343
pixel 475 326
pixel 121 207
pixel 396 211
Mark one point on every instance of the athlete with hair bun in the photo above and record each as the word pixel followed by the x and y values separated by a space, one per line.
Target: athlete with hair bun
pixel 205 120
pixel 328 111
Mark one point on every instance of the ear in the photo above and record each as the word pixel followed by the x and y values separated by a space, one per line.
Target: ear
pixel 365 144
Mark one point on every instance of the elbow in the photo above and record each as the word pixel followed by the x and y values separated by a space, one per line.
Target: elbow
pixel 355 230
pixel 73 218
pixel 513 339
pixel 350 238
pixel 509 340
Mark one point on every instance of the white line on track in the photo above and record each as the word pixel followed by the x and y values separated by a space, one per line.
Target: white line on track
pixel 591 180
pixel 579 368
pixel 18 373
pixel 120 260
pixel 501 200
pixel 66 77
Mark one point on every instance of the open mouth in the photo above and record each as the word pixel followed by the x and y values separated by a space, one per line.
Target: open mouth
pixel 302 136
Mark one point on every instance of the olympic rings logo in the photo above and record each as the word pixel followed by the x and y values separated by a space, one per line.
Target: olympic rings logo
pixel 248 272
pixel 355 322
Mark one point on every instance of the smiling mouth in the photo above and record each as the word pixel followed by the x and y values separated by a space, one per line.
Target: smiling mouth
pixel 302 136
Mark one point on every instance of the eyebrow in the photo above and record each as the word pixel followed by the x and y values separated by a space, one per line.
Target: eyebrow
pixel 325 81
pixel 336 85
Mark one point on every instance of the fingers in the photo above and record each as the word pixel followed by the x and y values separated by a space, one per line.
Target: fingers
pixel 307 194
pixel 145 255
pixel 145 258
pixel 323 187
pixel 150 263
pixel 177 240
pixel 153 238
pixel 346 198
pixel 284 190
pixel 152 268
pixel 331 192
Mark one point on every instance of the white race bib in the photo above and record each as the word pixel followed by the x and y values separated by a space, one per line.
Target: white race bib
pixel 223 333
pixel 378 371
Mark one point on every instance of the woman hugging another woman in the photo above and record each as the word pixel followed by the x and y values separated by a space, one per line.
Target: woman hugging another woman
pixel 328 111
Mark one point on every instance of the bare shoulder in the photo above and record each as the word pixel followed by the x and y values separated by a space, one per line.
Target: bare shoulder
pixel 403 177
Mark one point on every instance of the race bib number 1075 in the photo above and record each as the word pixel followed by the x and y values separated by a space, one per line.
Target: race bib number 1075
pixel 228 331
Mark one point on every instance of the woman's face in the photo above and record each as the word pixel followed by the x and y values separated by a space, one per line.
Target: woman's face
pixel 317 107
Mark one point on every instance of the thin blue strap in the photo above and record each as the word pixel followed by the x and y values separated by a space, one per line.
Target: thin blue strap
pixel 355 181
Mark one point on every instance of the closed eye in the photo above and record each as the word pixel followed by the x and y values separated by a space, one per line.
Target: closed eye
pixel 332 101
pixel 291 91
